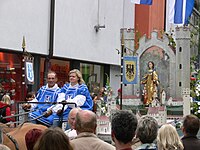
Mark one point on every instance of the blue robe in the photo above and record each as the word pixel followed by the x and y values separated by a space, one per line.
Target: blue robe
pixel 72 92
pixel 45 94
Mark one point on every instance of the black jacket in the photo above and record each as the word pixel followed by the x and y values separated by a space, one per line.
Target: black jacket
pixel 191 142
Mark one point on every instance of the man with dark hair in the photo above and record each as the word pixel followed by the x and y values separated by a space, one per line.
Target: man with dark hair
pixel 85 125
pixel 124 124
pixel 146 131
pixel 47 93
pixel 190 129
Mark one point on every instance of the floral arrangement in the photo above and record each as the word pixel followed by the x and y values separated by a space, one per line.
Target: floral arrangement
pixel 195 108
pixel 195 87
pixel 195 80
pixel 105 95
pixel 195 103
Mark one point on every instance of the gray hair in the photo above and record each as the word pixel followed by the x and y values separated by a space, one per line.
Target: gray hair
pixel 86 121
pixel 147 129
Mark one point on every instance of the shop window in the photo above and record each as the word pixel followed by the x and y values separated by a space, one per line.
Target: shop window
pixel 60 67
pixel 11 77
pixel 93 76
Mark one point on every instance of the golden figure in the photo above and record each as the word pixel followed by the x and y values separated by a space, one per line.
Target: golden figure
pixel 150 81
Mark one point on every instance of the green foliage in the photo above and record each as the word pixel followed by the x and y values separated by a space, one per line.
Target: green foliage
pixel 195 87
pixel 172 42
pixel 195 108
pixel 194 37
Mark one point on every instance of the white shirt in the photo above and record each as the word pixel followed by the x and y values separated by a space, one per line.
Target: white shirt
pixel 71 133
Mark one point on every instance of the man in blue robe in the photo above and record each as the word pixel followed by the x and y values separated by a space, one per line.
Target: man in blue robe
pixel 47 93
pixel 75 92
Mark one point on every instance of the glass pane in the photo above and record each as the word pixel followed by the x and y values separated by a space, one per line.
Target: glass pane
pixel 11 77
pixel 92 76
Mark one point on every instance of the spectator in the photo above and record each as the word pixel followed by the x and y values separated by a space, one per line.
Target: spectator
pixel 71 133
pixel 124 124
pixel 30 96
pixel 190 129
pixel 31 138
pixel 95 98
pixel 53 139
pixel 136 143
pixel 147 132
pixel 74 92
pixel 85 125
pixel 168 138
pixel 5 109
pixel 47 93
pixel 119 91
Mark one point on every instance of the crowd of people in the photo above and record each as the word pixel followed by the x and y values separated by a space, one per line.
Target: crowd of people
pixel 52 105
pixel 127 133
pixel 125 129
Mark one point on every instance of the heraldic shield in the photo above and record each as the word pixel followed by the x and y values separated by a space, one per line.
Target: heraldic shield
pixel 130 70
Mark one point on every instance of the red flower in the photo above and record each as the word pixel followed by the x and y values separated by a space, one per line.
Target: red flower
pixel 192 78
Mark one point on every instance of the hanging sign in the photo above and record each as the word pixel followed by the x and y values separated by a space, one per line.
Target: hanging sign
pixel 29 72
pixel 130 70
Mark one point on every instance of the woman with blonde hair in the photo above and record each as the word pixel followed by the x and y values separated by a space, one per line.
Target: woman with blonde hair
pixel 5 109
pixel 6 99
pixel 78 74
pixel 75 92
pixel 168 138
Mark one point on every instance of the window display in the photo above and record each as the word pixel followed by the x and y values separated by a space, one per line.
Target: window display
pixel 93 76
pixel 11 77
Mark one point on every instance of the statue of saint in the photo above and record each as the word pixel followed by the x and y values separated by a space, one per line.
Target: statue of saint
pixel 150 81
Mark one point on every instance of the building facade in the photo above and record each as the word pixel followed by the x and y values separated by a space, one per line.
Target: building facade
pixel 62 35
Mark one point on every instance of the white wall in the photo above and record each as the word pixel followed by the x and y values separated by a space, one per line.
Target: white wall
pixel 29 18
pixel 115 78
pixel 75 36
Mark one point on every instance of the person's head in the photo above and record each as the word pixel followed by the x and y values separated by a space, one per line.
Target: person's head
pixel 31 138
pixel 86 121
pixel 30 96
pixel 191 125
pixel 119 91
pixel 151 65
pixel 123 126
pixel 75 76
pixel 147 129
pixel 53 139
pixel 6 99
pixel 168 138
pixel 4 147
pixel 93 96
pixel 72 117
pixel 51 79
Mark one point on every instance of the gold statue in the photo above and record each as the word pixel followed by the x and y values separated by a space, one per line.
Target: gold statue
pixel 150 81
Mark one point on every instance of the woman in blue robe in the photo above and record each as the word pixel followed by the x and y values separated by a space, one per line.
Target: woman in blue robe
pixel 75 92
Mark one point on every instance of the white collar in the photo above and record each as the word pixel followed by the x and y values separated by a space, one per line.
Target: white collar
pixel 74 86
pixel 52 88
